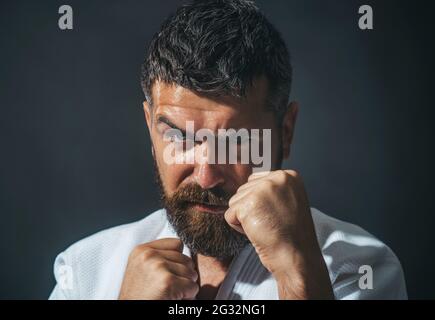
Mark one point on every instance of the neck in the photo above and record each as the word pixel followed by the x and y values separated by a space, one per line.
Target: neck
pixel 211 274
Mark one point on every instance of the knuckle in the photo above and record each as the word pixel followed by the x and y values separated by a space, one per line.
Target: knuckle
pixel 269 185
pixel 137 251
pixel 189 289
pixel 147 253
pixel 166 280
pixel 293 173
pixel 177 241
pixel 158 265
pixel 189 262
pixel 283 176
pixel 176 294
pixel 193 274
pixel 194 288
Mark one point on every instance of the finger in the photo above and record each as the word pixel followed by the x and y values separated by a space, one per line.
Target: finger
pixel 292 173
pixel 250 184
pixel 258 175
pixel 188 287
pixel 182 270
pixel 166 244
pixel 238 196
pixel 176 256
pixel 232 219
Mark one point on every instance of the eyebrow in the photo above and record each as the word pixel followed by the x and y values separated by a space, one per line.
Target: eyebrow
pixel 165 120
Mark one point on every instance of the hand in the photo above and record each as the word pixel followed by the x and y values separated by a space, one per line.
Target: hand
pixel 158 270
pixel 272 209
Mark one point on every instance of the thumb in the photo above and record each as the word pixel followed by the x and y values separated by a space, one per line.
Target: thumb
pixel 233 221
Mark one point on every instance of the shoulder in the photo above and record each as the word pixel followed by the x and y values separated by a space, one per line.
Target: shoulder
pixel 330 230
pixel 90 258
pixel 348 250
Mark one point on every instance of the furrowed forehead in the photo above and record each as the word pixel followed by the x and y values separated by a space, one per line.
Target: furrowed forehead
pixel 168 94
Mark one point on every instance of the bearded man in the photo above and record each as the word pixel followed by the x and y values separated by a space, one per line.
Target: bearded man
pixel 225 232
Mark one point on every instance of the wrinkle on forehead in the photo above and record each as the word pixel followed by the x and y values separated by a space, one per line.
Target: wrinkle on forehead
pixel 182 103
pixel 172 94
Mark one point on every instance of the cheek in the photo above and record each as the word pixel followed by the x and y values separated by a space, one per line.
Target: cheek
pixel 171 175
pixel 241 174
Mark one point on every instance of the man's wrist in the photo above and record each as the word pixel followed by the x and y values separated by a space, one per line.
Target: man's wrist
pixel 301 275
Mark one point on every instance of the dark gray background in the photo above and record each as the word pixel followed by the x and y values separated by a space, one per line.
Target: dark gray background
pixel 75 152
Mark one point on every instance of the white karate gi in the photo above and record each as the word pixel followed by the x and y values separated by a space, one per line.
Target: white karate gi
pixel 93 268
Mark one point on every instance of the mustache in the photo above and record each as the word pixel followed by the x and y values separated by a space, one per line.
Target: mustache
pixel 194 194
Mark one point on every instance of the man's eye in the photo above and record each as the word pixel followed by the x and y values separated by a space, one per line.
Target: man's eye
pixel 178 138
pixel 173 135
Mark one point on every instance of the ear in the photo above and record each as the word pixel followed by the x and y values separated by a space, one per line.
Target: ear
pixel 288 126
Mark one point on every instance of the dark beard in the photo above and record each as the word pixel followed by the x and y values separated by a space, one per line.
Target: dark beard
pixel 202 232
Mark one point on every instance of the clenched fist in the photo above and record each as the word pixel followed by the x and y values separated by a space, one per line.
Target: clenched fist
pixel 272 209
pixel 159 270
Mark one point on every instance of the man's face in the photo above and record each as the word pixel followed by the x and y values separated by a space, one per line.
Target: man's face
pixel 196 194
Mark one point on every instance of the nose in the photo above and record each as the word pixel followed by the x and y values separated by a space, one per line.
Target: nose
pixel 208 175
